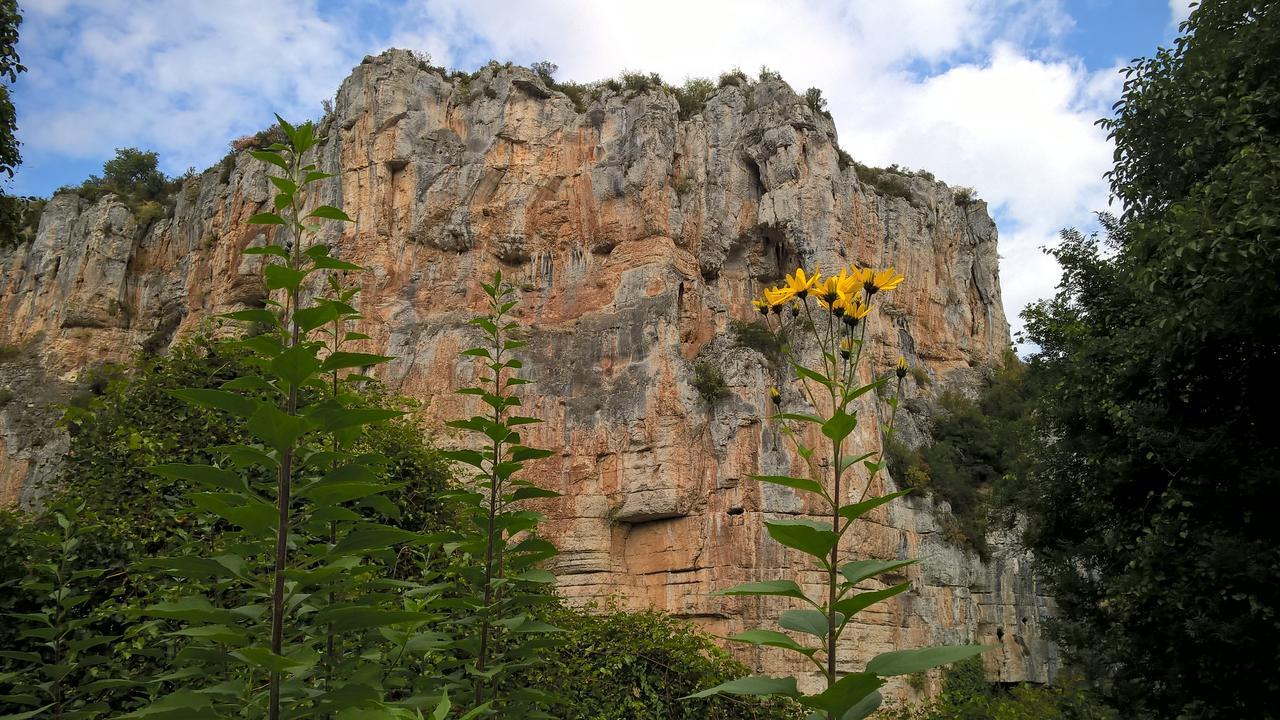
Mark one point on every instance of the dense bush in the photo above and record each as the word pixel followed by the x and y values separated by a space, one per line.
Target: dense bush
pixel 636 665
pixel 967 695
pixel 708 380
pixel 1150 511
pixel 976 453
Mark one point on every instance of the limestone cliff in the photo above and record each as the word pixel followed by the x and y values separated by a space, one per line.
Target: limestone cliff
pixel 635 238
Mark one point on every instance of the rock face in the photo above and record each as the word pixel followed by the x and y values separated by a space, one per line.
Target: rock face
pixel 636 239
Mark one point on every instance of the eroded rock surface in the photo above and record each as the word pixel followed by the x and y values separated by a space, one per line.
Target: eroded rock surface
pixel 636 239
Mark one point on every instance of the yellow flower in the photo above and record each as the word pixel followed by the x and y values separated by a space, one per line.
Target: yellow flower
pixel 836 291
pixel 775 396
pixel 828 292
pixel 854 311
pixel 801 284
pixel 885 280
pixel 761 305
pixel 846 348
pixel 776 297
pixel 902 367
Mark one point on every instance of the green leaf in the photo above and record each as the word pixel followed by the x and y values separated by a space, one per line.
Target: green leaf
pixel 276 250
pixel 848 460
pixel 520 453
pixel 856 510
pixel 285 185
pixel 233 403
pixel 203 474
pixel 805 372
pixel 329 212
pixel 214 633
pixel 270 157
pixel 752 685
pixel 856 572
pixel 864 707
pixel 340 360
pixel 296 365
pixel 373 536
pixel 840 425
pixel 334 493
pixel 804 484
pixel 177 705
pixel 804 535
pixel 531 492
pixel 264 658
pixel 315 175
pixel 266 219
pixel 254 315
pixel 812 622
pixel 844 694
pixel 773 638
pixel 442 708
pixel 283 277
pixel 855 604
pixel 361 617
pixel 783 588
pixel 331 419
pixel 276 428
pixel 798 417
pixel 906 662
pixel 313 317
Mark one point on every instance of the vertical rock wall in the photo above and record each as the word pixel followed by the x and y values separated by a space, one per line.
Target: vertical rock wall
pixel 636 239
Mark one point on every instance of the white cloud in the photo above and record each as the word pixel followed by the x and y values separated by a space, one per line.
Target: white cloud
pixel 180 77
pixel 1179 10
pixel 977 91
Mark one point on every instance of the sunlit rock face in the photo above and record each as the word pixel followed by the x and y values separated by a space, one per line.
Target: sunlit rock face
pixel 635 239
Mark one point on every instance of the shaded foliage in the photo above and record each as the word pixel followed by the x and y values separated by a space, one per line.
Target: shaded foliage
pixel 1149 512
pixel 968 695
pixel 636 665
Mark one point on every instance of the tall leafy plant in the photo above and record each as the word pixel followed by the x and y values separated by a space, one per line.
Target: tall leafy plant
pixel 301 568
pixel 506 633
pixel 65 643
pixel 830 316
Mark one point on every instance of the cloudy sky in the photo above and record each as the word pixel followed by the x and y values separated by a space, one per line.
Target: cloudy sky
pixel 1000 95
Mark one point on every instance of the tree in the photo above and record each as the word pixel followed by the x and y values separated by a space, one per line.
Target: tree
pixel 1149 509
pixel 135 172
pixel 10 66
pixel 12 210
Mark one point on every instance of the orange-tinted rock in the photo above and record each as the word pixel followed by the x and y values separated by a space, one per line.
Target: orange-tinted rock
pixel 635 239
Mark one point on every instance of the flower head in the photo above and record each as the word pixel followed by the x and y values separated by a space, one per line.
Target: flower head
pixel 854 311
pixel 775 396
pixel 846 348
pixel 885 280
pixel 801 284
pixel 777 297
pixel 902 367
pixel 761 305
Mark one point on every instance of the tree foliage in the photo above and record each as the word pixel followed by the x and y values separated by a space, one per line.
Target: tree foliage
pixel 1149 512
pixel 636 665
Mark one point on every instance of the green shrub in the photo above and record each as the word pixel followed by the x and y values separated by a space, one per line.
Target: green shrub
pixel 967 695
pixel 977 450
pixel 19 219
pixel 758 337
pixel 735 77
pixel 635 82
pixel 692 96
pixel 708 380
pixel 818 104
pixel 890 181
pixel 636 665
pixel 965 196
